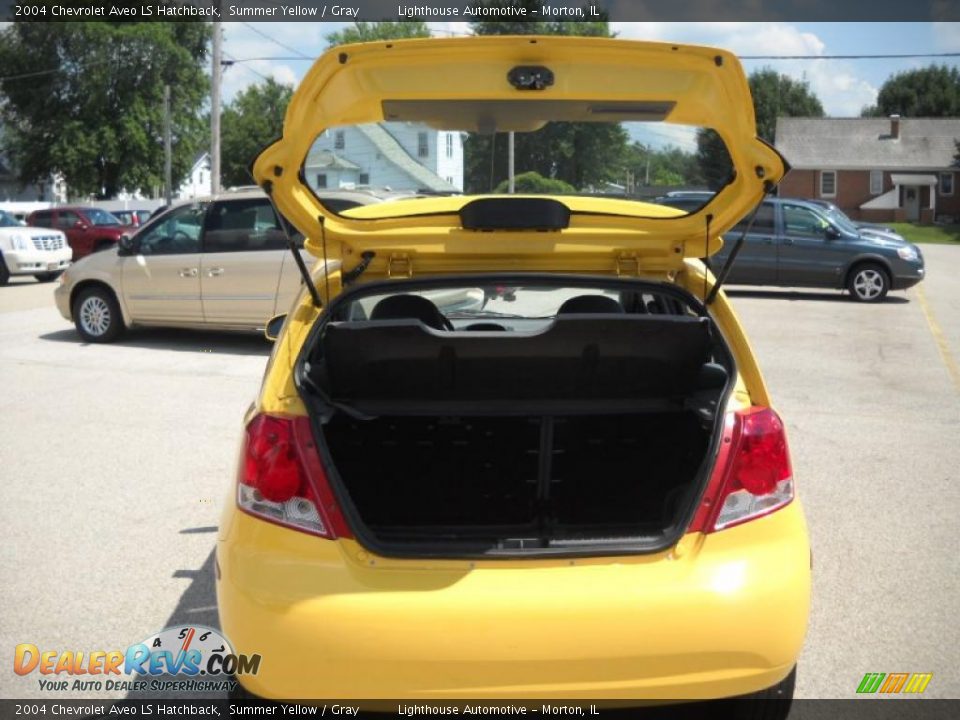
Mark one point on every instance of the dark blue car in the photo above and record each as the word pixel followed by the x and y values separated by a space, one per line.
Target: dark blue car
pixel 796 243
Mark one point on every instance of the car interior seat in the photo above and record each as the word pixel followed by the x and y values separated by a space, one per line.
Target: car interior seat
pixel 404 307
pixel 592 304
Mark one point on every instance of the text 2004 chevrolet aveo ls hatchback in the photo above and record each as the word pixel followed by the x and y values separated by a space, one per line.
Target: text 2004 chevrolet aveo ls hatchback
pixel 580 490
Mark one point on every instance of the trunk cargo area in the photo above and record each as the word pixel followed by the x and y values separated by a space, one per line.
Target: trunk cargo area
pixel 590 433
pixel 518 481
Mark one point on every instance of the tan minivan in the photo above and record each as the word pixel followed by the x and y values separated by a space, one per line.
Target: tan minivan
pixel 220 262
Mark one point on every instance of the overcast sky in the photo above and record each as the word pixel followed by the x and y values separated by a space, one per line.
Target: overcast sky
pixel 843 86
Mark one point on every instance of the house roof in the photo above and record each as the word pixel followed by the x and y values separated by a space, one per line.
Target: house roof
pixel 202 158
pixel 391 149
pixel 329 160
pixel 867 143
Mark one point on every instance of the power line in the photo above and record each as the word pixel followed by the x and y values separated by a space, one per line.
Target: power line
pixel 305 58
pixel 230 61
pixel 274 58
pixel 262 34
pixel 885 56
pixel 40 73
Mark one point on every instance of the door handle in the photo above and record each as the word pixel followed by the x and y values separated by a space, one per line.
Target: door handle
pixel 214 272
pixel 188 272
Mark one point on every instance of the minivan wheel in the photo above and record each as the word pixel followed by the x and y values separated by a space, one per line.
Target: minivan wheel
pixel 4 272
pixel 48 276
pixel 869 282
pixel 96 315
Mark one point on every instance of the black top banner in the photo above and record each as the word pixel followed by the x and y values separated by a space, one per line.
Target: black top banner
pixel 472 10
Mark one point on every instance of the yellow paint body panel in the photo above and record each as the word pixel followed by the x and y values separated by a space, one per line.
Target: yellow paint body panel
pixel 717 615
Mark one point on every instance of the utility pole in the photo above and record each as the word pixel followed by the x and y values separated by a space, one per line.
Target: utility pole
pixel 215 108
pixel 167 152
pixel 511 187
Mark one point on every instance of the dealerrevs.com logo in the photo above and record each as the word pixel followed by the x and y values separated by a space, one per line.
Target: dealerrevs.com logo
pixel 188 658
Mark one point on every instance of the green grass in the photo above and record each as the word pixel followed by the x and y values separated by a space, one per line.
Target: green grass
pixel 934 234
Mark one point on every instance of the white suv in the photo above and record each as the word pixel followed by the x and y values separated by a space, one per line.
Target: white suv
pixel 40 252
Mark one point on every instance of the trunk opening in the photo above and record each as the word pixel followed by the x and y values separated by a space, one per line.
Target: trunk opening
pixel 571 434
pixel 480 483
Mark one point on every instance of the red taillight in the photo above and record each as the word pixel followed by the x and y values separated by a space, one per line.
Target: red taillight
pixel 281 478
pixel 752 477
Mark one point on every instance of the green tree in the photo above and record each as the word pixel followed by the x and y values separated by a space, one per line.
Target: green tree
pixel 774 95
pixel 371 31
pixel 933 91
pixel 663 166
pixel 248 124
pixel 536 184
pixel 716 164
pixel 579 154
pixel 98 120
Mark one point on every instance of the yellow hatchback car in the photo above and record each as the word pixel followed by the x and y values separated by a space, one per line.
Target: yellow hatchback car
pixel 577 488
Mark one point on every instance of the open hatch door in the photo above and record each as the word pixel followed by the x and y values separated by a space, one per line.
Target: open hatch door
pixel 518 83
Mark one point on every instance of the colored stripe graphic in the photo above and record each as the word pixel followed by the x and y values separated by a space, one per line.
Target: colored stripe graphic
pixel 870 682
pixel 894 683
pixel 918 682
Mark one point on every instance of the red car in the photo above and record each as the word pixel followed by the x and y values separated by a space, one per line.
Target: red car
pixel 88 229
pixel 132 218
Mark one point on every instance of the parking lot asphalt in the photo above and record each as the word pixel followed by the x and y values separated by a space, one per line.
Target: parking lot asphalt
pixel 115 461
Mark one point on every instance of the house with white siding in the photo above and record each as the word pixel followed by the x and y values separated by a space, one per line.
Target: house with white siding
pixel 393 155
pixel 197 182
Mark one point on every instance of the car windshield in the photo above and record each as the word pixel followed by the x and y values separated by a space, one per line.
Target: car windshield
pixel 8 220
pixel 840 219
pixel 101 217
pixel 615 150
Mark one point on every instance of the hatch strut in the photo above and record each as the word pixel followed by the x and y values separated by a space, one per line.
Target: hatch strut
pixel 728 265
pixel 301 266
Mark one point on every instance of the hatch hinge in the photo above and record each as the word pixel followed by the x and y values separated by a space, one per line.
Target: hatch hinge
pixel 628 265
pixel 399 266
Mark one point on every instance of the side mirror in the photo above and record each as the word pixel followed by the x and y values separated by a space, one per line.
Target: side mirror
pixel 274 326
pixel 126 245
pixel 831 232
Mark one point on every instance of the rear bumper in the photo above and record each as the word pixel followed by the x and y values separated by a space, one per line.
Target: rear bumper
pixel 720 615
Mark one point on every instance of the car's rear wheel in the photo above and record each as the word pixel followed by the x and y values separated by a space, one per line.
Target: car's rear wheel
pixel 770 704
pixel 239 692
pixel 4 272
pixel 96 315
pixel 48 276
pixel 869 282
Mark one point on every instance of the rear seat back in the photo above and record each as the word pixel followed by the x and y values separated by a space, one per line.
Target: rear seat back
pixel 575 357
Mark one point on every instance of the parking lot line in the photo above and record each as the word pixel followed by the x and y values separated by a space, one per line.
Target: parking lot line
pixel 953 369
